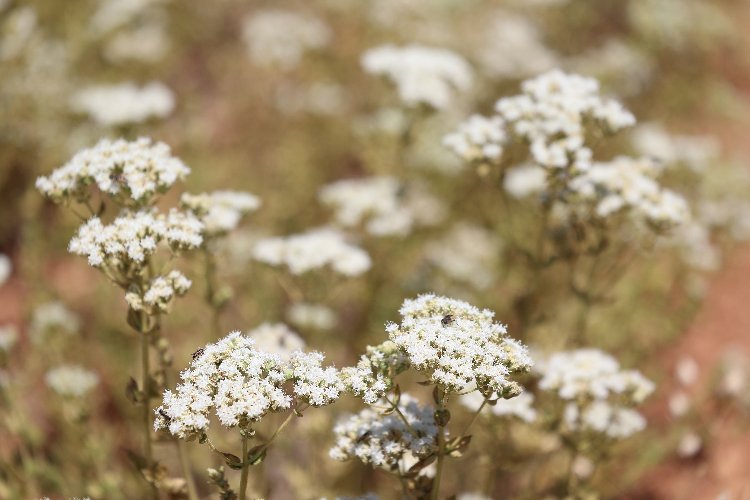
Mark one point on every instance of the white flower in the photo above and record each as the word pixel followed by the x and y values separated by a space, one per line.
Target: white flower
pixel 478 139
pixel 133 172
pixel 697 152
pixel 605 418
pixel 313 316
pixel 373 375
pixel 242 384
pixel 313 250
pixel 276 338
pixel 133 237
pixel 525 180
pixel 220 211
pixel 387 207
pixel 146 43
pixel 71 381
pixel 458 346
pixel 422 75
pixel 8 337
pixel 52 316
pixel 552 114
pixel 113 105
pixel 281 38
pixel 385 441
pixel 158 296
pixel 513 48
pixel 590 373
pixel 466 253
pixel 629 184
pixel 520 406
pixel 6 268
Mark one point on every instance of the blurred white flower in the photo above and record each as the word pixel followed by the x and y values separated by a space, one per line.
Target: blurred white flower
pixel 71 381
pixel 113 105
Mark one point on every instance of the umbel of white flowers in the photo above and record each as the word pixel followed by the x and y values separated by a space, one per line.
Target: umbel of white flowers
pixel 241 385
pixel 454 344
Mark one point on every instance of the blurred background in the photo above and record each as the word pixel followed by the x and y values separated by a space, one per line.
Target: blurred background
pixel 270 97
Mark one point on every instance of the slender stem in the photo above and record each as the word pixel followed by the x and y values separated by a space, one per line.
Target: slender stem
pixel 439 467
pixel 147 446
pixel 245 470
pixel 474 418
pixel 402 416
pixel 440 400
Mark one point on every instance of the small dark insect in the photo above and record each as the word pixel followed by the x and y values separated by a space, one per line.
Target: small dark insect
pixel 447 320
pixel 164 414
pixel 198 353
pixel 119 178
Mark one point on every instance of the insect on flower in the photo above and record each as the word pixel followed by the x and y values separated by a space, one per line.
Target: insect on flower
pixel 447 320
pixel 197 354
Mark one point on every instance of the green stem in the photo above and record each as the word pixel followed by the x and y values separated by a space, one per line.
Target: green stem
pixel 245 470
pixel 440 400
pixel 147 446
pixel 474 418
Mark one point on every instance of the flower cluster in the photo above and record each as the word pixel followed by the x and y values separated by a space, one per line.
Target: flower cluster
pixel 422 75
pixel 459 346
pixel 242 384
pixel 599 394
pixel 313 250
pixel 478 139
pixel 388 207
pixel 51 316
pixel 71 381
pixel 133 172
pixel 387 441
pixel 112 105
pixel 281 38
pixel 158 296
pixel 552 115
pixel 276 338
pixel 220 211
pixel 466 253
pixel 128 241
pixel 629 184
pixel 313 316
pixel 373 375
pixel 520 406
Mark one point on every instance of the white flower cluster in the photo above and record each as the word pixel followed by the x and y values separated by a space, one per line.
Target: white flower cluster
pixel 694 151
pixel 281 38
pixel 422 75
pixel 520 406
pixel 160 292
pixel 512 47
pixel 387 441
pixel 388 207
pixel 552 115
pixel 313 250
pixel 242 384
pixel 6 268
pixel 276 338
pixel 603 417
pixel 478 139
pixel 373 375
pixel 134 236
pixel 52 316
pixel 71 381
pixel 8 337
pixel 220 211
pixel 467 253
pixel 525 180
pixel 313 316
pixel 131 171
pixel 459 346
pixel 113 105
pixel 599 393
pixel 629 184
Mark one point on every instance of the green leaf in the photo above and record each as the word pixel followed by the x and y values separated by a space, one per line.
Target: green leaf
pixel 132 392
pixel 256 455
pixel 233 461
